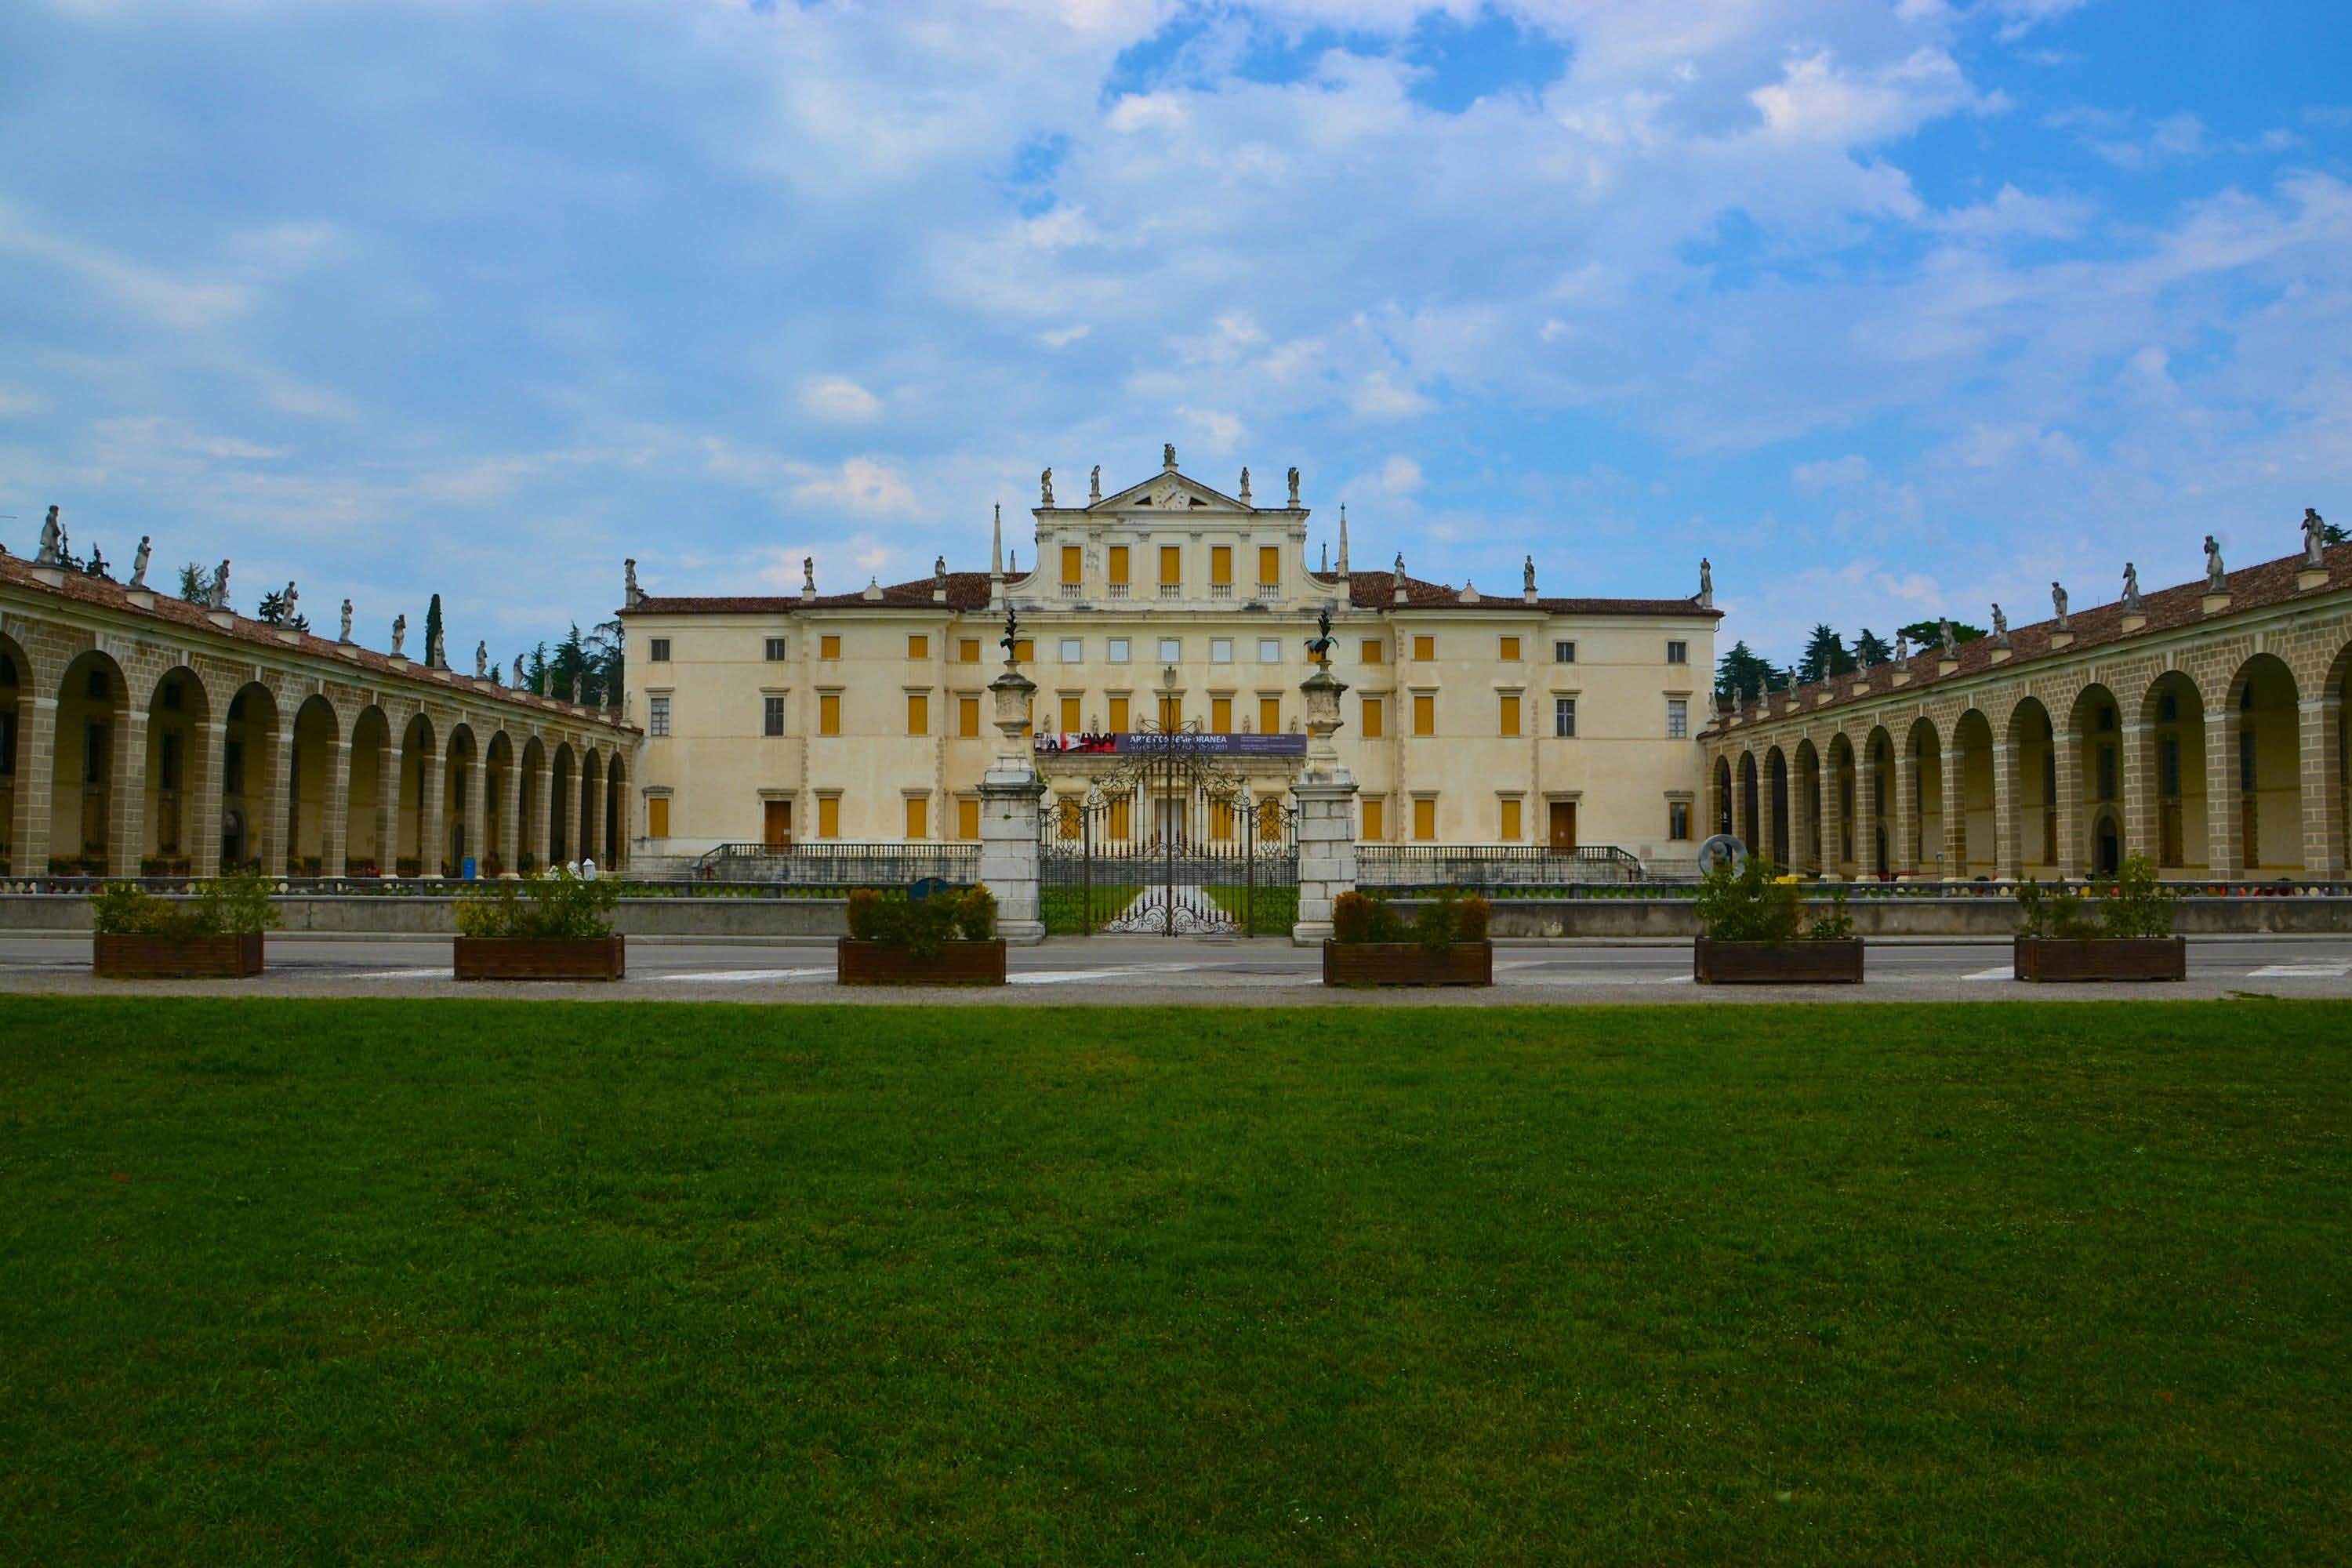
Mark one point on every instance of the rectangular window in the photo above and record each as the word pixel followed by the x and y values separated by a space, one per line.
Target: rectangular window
pixel 1376 827
pixel 657 816
pixel 1677 719
pixel 1375 719
pixel 1510 650
pixel 1510 819
pixel 1269 650
pixel 1678 819
pixel 1171 563
pixel 775 650
pixel 1118 716
pixel 918 713
pixel 1118 650
pixel 968 716
pixel 771 716
pixel 828 816
pixel 1221 651
pixel 1119 566
pixel 1221 566
pixel 1506 713
pixel 657 650
pixel 1073 564
pixel 1563 652
pixel 918 647
pixel 968 650
pixel 1221 715
pixel 918 816
pixel 1425 713
pixel 829 645
pixel 1270 566
pixel 1073 650
pixel 657 721
pixel 1171 650
pixel 1425 818
pixel 1563 718
pixel 1269 715
pixel 1424 648
pixel 1374 652
pixel 1678 653
pixel 828 713
pixel 1071 717
pixel 967 819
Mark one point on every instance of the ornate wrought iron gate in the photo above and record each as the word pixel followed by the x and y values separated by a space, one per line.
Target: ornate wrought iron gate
pixel 1168 844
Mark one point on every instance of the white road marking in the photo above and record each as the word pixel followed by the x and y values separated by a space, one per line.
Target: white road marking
pixel 742 976
pixel 441 974
pixel 1063 976
pixel 2004 972
pixel 1608 980
pixel 2302 972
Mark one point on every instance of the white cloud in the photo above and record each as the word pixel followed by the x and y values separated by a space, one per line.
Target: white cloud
pixel 1399 476
pixel 837 397
pixel 861 485
pixel 1378 397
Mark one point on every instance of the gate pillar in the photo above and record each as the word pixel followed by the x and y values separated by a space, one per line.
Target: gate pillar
pixel 1009 792
pixel 1326 792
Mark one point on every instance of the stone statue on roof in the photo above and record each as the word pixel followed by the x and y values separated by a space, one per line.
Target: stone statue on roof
pixel 2131 587
pixel 1527 574
pixel 1399 569
pixel 399 634
pixel 482 661
pixel 940 571
pixel 2314 538
pixel 139 560
pixel 1168 455
pixel 1094 484
pixel 2058 603
pixel 518 672
pixel 220 586
pixel 293 603
pixel 1999 627
pixel 631 594
pixel 1293 488
pixel 53 541
pixel 2217 580
pixel 1705 583
pixel 1944 636
pixel 808 575
pixel 1902 648
pixel 96 566
pixel 345 634
pixel 1045 487
pixel 1245 495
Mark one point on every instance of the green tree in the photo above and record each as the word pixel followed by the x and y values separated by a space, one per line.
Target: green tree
pixel 435 656
pixel 1744 675
pixel 603 649
pixel 1925 634
pixel 1825 654
pixel 273 613
pixel 1869 648
pixel 534 670
pixel 195 583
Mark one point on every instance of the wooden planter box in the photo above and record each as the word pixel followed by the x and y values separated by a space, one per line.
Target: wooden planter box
pixel 955 963
pixel 175 958
pixel 530 958
pixel 1408 963
pixel 1777 962
pixel 2101 958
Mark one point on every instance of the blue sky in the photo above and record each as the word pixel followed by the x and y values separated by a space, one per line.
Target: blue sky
pixel 1889 307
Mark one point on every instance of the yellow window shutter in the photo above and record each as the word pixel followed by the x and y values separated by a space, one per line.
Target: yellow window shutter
pixel 1118 715
pixel 1119 564
pixel 1073 563
pixel 1221 564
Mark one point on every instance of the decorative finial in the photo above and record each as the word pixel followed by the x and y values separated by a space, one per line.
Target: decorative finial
pixel 1011 641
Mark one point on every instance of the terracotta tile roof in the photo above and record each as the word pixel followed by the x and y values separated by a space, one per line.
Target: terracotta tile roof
pixel 2166 609
pixel 171 610
pixel 966 591
pixel 1376 590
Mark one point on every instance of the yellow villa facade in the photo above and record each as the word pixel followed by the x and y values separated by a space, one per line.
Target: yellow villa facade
pixel 2200 725
pixel 1469 719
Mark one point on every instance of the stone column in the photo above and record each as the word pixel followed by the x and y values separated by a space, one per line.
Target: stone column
pixel 2066 754
pixel 592 816
pixel 2320 724
pixel 510 817
pixel 1326 792
pixel 432 805
pixel 1803 810
pixel 36 765
pixel 1955 868
pixel 1743 815
pixel 2225 844
pixel 2007 861
pixel 204 816
pixel 335 810
pixel 1903 843
pixel 1833 818
pixel 126 793
pixel 1009 794
pixel 1865 814
pixel 542 831
pixel 477 809
pixel 387 806
pixel 2135 761
pixel 274 812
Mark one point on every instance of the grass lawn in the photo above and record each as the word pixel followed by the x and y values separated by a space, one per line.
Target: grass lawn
pixel 488 1282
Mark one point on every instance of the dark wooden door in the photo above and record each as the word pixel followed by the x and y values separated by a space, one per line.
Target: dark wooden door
pixel 1563 826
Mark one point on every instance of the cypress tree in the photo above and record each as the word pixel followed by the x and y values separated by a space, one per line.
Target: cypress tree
pixel 434 658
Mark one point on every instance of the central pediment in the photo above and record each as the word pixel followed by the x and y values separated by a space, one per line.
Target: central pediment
pixel 1170 491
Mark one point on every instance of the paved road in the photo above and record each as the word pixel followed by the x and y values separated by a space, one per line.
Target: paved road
pixel 1157 970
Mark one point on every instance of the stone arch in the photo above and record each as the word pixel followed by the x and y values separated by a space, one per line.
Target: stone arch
pixel 590 802
pixel 461 832
pixel 2034 825
pixel 498 805
pixel 1840 782
pixel 89 832
pixel 1723 792
pixel 314 795
pixel 373 791
pixel 1749 833
pixel 20 683
pixel 2174 825
pixel 531 806
pixel 1971 834
pixel 564 804
pixel 1777 806
pixel 1924 812
pixel 2258 806
pixel 179 710
pixel 1879 778
pixel 619 813
pixel 250 809
pixel 2095 736
pixel 417 781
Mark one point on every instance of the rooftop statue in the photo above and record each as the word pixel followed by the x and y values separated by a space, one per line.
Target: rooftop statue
pixel 1245 495
pixel 482 661
pixel 399 634
pixel 53 541
pixel 1999 627
pixel 1944 637
pixel 1527 574
pixel 2314 538
pixel 2058 603
pixel 2217 580
pixel 139 561
pixel 1168 453
pixel 631 594
pixel 1705 583
pixel 345 635
pixel 1293 488
pixel 1045 487
pixel 220 586
pixel 1094 484
pixel 2131 587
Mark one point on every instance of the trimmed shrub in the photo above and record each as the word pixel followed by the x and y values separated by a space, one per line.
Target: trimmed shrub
pixel 976 915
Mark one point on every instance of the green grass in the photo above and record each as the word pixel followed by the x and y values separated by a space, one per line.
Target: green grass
pixel 480 1283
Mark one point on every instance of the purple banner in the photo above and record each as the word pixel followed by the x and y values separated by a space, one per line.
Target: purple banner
pixel 1048 743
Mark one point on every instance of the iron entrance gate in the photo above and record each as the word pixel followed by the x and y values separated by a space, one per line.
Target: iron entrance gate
pixel 1166 844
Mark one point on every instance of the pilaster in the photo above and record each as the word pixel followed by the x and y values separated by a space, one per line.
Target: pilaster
pixel 387 809
pixel 126 794
pixel 2067 756
pixel 1865 815
pixel 1904 845
pixel 476 810
pixel 2319 739
pixel 335 810
pixel 2225 802
pixel 542 826
pixel 1953 867
pixel 1804 807
pixel 274 813
pixel 36 765
pixel 2006 836
pixel 592 816
pixel 204 819
pixel 510 818
pixel 2136 757
pixel 432 805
